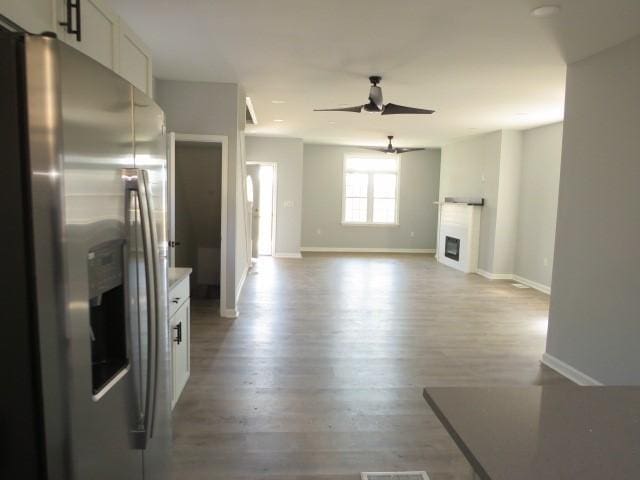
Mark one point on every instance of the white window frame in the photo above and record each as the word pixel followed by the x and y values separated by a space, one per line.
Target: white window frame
pixel 370 193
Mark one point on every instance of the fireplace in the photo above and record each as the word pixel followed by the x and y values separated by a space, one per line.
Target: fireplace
pixel 452 248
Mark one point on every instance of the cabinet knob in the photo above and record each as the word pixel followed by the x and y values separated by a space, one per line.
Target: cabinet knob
pixel 175 300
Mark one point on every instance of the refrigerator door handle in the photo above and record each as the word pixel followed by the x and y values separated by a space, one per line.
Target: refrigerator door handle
pixel 155 259
pixel 136 180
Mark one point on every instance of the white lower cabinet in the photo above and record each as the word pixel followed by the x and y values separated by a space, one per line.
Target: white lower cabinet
pixel 180 321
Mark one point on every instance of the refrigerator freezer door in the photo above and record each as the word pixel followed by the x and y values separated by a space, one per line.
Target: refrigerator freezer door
pixel 101 296
pixel 150 155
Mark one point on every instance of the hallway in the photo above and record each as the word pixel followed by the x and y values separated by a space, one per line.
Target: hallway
pixel 321 375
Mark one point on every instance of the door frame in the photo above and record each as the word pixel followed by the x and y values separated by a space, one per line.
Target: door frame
pixel 223 140
pixel 274 202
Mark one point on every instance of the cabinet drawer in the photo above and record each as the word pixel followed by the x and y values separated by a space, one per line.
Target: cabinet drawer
pixel 177 296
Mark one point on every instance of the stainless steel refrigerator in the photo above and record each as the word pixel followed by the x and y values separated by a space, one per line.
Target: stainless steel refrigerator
pixel 86 392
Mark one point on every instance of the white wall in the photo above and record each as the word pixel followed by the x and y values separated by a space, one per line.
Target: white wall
pixel 594 323
pixel 287 154
pixel 322 202
pixel 216 109
pixel 538 205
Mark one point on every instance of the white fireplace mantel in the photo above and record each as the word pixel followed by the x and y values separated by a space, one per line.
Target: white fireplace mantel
pixel 460 221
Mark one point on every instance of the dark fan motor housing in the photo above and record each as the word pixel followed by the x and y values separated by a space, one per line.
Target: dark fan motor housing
pixel 376 105
pixel 391 149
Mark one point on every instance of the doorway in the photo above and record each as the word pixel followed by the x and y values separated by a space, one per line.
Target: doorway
pixel 263 208
pixel 197 214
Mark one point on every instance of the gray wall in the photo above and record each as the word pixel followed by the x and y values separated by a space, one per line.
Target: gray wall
pixel 287 154
pixel 322 202
pixel 594 321
pixel 471 168
pixel 538 206
pixel 216 109
pixel 508 200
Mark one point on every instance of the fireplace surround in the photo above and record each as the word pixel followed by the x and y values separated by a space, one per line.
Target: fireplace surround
pixel 459 233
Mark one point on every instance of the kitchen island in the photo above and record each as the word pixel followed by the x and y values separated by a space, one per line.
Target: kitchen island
pixel 549 432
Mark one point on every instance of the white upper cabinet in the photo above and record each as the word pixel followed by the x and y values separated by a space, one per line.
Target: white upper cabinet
pixel 106 38
pixel 35 16
pixel 135 60
pixel 91 27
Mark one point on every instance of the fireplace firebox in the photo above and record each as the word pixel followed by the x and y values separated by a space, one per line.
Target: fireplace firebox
pixel 452 248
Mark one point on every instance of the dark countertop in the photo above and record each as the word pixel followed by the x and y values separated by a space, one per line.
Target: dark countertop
pixel 550 433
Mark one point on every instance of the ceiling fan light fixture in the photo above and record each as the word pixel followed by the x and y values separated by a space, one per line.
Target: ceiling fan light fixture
pixel 545 11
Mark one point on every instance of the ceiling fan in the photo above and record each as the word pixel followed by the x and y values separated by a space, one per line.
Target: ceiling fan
pixel 391 149
pixel 376 105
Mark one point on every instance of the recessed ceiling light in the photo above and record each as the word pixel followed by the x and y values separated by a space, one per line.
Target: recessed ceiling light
pixel 277 102
pixel 332 123
pixel 521 114
pixel 544 11
pixel 278 120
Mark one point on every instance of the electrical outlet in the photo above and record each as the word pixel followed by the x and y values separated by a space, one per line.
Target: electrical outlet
pixel 412 234
pixel 288 203
pixel 319 231
pixel 546 262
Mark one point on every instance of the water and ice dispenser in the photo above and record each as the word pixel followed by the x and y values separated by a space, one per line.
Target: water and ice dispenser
pixel 108 313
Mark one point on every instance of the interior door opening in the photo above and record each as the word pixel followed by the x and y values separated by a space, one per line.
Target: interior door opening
pixel 263 177
pixel 197 214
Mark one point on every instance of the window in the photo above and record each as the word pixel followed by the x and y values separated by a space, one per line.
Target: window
pixel 370 190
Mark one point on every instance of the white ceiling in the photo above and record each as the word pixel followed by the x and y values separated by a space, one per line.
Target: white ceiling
pixel 481 64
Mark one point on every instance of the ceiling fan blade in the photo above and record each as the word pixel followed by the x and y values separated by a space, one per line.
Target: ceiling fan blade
pixel 376 149
pixel 357 109
pixel 406 150
pixel 393 109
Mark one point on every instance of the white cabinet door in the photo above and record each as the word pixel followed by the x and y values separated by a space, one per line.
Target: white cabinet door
pixel 181 349
pixel 99 30
pixel 35 16
pixel 135 60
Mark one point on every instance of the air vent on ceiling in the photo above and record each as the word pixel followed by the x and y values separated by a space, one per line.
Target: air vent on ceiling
pixel 251 113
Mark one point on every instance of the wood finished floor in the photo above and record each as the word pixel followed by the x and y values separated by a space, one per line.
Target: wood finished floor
pixel 321 376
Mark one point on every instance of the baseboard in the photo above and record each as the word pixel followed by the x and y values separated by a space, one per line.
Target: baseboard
pixel 241 284
pixel 229 313
pixel 510 276
pixel 530 283
pixel 287 255
pixel 569 372
pixel 367 250
pixel 494 276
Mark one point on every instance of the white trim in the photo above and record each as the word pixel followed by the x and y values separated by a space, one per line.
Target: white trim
pixel 494 276
pixel 569 372
pixel 367 250
pixel 229 313
pixel 511 276
pixel 538 286
pixel 224 141
pixel 368 224
pixel 241 284
pixel 287 255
